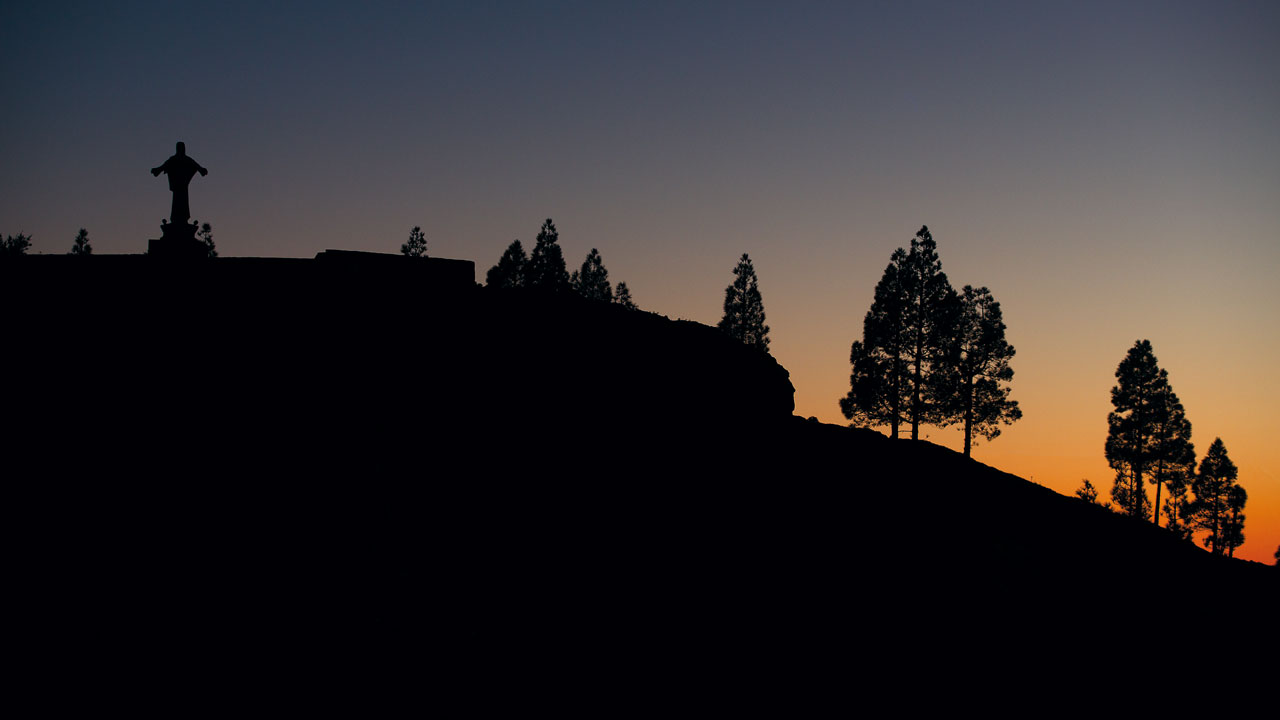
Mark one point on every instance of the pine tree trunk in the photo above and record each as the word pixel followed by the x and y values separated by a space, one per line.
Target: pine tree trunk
pixel 1214 540
pixel 968 416
pixel 1159 477
pixel 915 402
pixel 897 399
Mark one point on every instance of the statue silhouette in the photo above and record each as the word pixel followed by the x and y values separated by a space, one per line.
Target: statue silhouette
pixel 180 168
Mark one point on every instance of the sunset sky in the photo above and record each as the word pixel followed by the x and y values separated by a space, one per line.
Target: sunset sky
pixel 1110 170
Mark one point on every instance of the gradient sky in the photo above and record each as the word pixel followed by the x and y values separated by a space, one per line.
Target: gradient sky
pixel 1110 170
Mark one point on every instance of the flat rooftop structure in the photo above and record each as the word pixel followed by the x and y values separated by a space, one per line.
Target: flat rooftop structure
pixel 329 270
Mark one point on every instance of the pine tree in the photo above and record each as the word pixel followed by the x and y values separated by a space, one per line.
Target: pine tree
pixel 1176 505
pixel 14 245
pixel 592 281
pixel 744 309
pixel 546 268
pixel 1233 536
pixel 1173 457
pixel 80 246
pixel 977 363
pixel 870 400
pixel 931 309
pixel 510 270
pixel 1210 510
pixel 417 245
pixel 1088 493
pixel 878 384
pixel 623 297
pixel 1131 426
pixel 1129 495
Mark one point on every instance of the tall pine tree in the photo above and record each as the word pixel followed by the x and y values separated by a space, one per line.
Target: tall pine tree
pixel 744 309
pixel 978 366
pixel 510 270
pixel 878 385
pixel 1172 456
pixel 1131 426
pixel 930 311
pixel 1210 511
pixel 592 281
pixel 1149 437
pixel 546 269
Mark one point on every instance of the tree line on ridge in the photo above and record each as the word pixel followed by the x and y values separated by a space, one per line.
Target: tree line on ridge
pixel 1149 442
pixel 15 245
pixel 545 269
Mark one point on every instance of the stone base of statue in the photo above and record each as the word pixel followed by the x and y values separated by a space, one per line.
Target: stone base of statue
pixel 177 241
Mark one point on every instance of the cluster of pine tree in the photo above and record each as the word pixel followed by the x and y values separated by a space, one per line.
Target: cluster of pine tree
pixel 1149 441
pixel 545 270
pixel 930 355
pixel 14 245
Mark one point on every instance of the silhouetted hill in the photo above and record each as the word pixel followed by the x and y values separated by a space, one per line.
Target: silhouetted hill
pixel 377 447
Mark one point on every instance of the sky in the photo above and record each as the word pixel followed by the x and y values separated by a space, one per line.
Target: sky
pixel 1110 170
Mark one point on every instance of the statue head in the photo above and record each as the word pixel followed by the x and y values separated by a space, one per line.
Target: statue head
pixel 182 148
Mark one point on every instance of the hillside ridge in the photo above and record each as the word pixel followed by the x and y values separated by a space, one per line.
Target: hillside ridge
pixel 363 435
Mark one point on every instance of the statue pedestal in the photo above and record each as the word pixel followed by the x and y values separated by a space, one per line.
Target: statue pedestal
pixel 178 240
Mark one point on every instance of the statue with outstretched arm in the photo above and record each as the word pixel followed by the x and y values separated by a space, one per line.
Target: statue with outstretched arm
pixel 180 168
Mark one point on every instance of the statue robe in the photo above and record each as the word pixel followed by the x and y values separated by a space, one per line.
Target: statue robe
pixel 180 169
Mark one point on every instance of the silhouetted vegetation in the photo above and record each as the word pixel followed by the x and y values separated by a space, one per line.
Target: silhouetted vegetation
pixel 14 245
pixel 546 269
pixel 592 281
pixel 622 296
pixel 1218 506
pixel 978 357
pixel 1176 504
pixel 1234 535
pixel 877 389
pixel 929 355
pixel 510 270
pixel 744 309
pixel 80 246
pixel 929 315
pixel 1149 437
pixel 1088 493
pixel 1173 457
pixel 205 236
pixel 417 244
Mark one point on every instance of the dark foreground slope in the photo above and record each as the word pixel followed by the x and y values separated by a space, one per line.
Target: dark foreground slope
pixel 267 449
